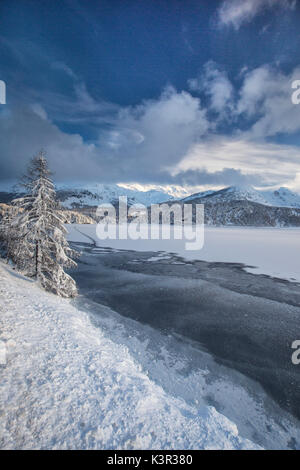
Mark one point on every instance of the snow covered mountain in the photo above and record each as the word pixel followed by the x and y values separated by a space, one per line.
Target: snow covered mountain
pixel 235 205
pixel 80 196
pixel 281 197
pixel 247 206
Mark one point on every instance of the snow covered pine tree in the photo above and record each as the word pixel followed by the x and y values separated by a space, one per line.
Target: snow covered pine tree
pixel 42 249
pixel 6 235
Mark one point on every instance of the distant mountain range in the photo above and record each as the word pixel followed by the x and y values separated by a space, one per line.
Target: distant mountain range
pixel 281 197
pixel 235 205
pixel 247 206
pixel 90 195
pixel 95 194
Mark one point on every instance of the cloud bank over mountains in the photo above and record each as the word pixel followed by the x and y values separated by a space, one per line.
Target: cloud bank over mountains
pixel 175 138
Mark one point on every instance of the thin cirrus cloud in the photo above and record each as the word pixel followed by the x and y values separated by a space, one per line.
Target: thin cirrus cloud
pixel 79 107
pixel 236 12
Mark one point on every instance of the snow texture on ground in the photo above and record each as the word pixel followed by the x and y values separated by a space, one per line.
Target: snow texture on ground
pixel 66 385
pixel 271 251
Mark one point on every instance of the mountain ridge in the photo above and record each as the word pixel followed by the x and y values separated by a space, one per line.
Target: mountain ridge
pixel 233 205
pixel 92 194
pixel 281 197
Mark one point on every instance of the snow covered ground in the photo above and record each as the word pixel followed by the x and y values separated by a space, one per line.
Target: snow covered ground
pixel 65 384
pixel 271 251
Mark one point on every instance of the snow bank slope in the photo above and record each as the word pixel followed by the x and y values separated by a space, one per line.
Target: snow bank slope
pixel 66 385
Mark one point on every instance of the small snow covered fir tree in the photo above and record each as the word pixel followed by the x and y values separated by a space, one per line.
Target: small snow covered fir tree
pixel 42 249
pixel 8 235
pixel 5 234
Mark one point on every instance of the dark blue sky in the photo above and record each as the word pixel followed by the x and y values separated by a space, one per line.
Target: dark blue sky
pixel 111 86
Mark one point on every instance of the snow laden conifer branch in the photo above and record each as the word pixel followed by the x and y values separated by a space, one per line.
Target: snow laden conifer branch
pixel 41 249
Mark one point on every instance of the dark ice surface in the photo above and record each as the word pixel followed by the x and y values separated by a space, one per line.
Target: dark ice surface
pixel 246 321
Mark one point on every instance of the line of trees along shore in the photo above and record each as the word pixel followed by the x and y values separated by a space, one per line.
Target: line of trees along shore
pixel 32 233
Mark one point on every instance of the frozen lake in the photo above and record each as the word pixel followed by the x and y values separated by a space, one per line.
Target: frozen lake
pixel 172 311
pixel 271 251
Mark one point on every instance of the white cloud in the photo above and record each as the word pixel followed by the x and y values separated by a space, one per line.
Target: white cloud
pixel 254 89
pixel 24 131
pixel 139 144
pixel 236 12
pixel 262 106
pixel 159 131
pixel 216 85
pixel 122 138
pixel 270 164
pixel 265 97
pixel 164 140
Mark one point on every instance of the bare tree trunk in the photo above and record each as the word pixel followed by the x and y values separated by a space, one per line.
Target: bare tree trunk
pixel 36 257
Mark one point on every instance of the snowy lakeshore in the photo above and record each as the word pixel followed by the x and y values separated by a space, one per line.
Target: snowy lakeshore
pixel 66 385
pixel 75 374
